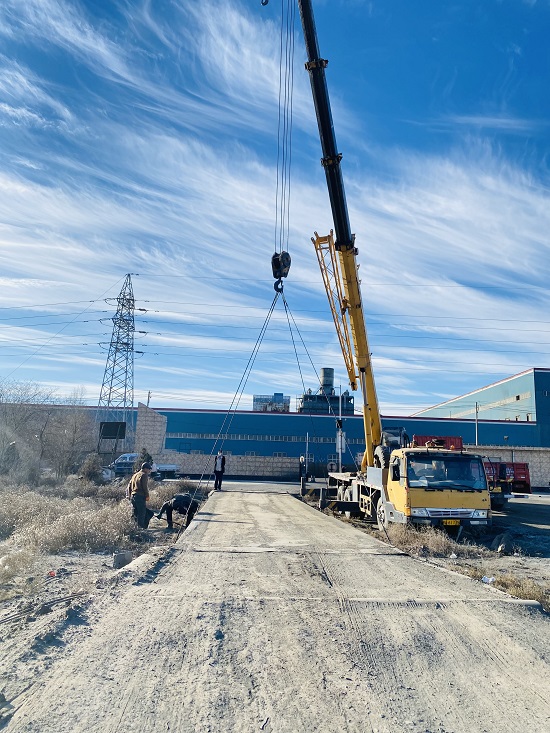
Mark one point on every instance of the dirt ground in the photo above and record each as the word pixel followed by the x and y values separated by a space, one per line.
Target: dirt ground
pixel 268 615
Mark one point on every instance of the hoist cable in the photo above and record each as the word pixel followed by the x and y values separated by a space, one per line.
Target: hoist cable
pixel 230 414
pixel 284 124
pixel 331 411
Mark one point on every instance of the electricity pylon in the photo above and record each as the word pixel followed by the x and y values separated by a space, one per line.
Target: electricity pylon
pixel 116 400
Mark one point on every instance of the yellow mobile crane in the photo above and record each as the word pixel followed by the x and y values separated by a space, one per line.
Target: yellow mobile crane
pixel 396 482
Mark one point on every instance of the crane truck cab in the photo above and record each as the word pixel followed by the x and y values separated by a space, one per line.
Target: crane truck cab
pixel 421 486
pixel 434 487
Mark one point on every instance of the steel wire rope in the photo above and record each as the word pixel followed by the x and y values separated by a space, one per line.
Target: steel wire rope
pixel 230 414
pixel 284 125
pixel 331 411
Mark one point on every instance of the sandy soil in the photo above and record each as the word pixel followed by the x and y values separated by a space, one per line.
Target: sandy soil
pixel 268 615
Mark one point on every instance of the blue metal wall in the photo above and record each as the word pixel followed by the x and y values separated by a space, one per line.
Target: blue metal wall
pixel 512 399
pixel 266 434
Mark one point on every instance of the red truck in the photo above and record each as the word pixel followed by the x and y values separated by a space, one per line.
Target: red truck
pixel 505 478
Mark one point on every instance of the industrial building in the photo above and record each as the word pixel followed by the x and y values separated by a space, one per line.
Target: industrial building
pixel 512 423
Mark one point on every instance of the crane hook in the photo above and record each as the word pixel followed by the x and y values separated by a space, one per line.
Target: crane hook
pixel 278 285
pixel 265 2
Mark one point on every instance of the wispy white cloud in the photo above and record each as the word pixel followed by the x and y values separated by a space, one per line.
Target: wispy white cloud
pixel 169 171
pixel 503 123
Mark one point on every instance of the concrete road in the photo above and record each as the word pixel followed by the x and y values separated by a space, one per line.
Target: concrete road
pixel 270 616
pixel 528 511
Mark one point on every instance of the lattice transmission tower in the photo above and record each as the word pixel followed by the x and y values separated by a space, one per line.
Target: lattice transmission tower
pixel 116 399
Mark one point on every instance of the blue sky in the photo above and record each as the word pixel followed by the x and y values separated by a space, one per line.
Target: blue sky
pixel 142 137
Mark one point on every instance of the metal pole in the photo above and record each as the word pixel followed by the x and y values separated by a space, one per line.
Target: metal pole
pixel 339 433
pixel 477 413
pixel 305 457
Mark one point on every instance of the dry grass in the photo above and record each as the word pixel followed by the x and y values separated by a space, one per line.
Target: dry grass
pixel 78 515
pixel 101 529
pixel 523 588
pixel 14 563
pixel 430 542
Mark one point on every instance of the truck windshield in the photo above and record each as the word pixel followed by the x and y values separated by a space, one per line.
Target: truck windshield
pixel 445 472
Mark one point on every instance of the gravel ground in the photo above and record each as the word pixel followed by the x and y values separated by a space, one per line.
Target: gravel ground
pixel 268 615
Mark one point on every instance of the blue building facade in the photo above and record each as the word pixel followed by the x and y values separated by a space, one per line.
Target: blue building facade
pixel 287 435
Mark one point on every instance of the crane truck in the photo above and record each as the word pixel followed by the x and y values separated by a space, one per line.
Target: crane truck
pixel 395 482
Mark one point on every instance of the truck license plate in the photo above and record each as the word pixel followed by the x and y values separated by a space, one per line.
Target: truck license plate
pixel 451 522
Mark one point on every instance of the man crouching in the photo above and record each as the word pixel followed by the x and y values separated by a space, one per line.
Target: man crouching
pixel 181 503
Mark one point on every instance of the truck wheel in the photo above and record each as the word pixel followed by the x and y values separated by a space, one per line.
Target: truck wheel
pixel 381 516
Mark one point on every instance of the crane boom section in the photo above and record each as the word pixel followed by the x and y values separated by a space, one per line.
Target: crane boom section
pixel 340 276
pixel 334 286
pixel 341 283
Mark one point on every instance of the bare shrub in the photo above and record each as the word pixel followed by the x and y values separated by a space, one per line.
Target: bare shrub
pixel 90 530
pixel 161 491
pixel 50 482
pixel 92 468
pixel 112 491
pixel 80 486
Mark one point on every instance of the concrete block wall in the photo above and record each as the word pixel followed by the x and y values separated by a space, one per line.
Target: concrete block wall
pixel 150 431
pixel 247 466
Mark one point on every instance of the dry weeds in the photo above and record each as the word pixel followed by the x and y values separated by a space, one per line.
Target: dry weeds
pixel 78 515
pixel 430 542
pixel 512 583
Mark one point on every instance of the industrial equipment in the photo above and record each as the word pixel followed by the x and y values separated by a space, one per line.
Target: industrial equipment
pixel 395 482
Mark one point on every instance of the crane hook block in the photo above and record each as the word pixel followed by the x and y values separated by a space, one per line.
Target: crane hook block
pixel 280 264
pixel 265 2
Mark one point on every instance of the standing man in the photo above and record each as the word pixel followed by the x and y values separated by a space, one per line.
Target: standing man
pixel 138 493
pixel 219 470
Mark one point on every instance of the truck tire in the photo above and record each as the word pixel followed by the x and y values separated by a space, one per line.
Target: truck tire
pixel 381 516
pixel 382 456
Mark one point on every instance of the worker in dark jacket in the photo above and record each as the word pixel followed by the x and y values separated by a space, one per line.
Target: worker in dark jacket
pixel 219 470
pixel 181 503
pixel 138 493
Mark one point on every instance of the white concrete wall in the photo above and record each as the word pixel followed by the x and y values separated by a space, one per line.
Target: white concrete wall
pixel 150 431
pixel 252 466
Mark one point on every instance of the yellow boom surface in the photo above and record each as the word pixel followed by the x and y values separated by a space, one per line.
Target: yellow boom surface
pixel 339 270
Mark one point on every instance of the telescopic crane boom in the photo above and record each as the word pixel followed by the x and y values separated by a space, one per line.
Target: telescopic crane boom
pixel 338 255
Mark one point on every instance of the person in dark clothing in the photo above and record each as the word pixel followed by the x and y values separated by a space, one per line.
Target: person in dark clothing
pixel 219 470
pixel 138 493
pixel 181 503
